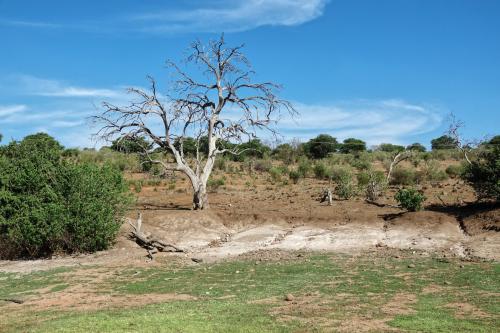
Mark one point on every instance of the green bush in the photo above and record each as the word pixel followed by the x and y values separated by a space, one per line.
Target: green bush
pixel 410 199
pixel 294 176
pixel 304 167
pixel 373 182
pixel 275 174
pixel 345 188
pixel 48 204
pixel 403 176
pixel 484 174
pixel 321 171
pixel 430 171
pixel 320 146
pixel 339 171
pixel 262 165
pixel 213 184
pixel 455 170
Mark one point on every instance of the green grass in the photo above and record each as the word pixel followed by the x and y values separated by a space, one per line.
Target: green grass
pixel 247 296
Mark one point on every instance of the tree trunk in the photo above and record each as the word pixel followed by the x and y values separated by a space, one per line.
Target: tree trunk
pixel 200 198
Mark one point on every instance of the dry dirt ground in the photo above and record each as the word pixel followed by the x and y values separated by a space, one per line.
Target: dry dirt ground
pixel 249 214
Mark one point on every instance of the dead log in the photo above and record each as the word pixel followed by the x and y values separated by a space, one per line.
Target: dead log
pixel 327 196
pixel 13 300
pixel 150 243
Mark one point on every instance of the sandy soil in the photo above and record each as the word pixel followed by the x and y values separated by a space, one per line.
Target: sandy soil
pixel 246 218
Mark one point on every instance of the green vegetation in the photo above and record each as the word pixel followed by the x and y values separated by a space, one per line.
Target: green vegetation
pixel 444 142
pixel 330 292
pixel 320 146
pixel 48 204
pixel 416 147
pixel 410 199
pixel 390 148
pixel 484 174
pixel 352 146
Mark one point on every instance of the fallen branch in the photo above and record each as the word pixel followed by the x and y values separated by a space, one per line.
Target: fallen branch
pixel 151 244
pixel 327 196
pixel 13 300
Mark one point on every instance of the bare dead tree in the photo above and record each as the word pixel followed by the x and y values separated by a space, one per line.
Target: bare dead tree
pixel 219 102
pixel 454 132
pixel 396 159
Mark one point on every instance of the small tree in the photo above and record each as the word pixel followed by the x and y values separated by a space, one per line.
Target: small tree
pixel 321 146
pixel 130 145
pixel 352 145
pixel 444 142
pixel 221 102
pixel 390 148
pixel 484 173
pixel 418 147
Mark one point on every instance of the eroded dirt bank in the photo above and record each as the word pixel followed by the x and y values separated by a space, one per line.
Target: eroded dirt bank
pixel 353 228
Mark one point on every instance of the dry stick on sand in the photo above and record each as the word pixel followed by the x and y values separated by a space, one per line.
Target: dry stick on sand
pixel 151 244
pixel 13 300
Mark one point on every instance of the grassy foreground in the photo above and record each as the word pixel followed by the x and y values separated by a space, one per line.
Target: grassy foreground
pixel 331 293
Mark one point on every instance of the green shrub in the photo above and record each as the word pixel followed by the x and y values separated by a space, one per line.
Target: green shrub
pixel 345 188
pixel 262 165
pixel 455 170
pixel 294 176
pixel 373 182
pixel 48 204
pixel 220 164
pixel 431 171
pixel 320 146
pixel 275 174
pixel 213 184
pixel 410 199
pixel 339 171
pixel 484 174
pixel 403 176
pixel 304 167
pixel 321 171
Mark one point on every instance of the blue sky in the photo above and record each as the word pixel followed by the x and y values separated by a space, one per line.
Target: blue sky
pixel 382 71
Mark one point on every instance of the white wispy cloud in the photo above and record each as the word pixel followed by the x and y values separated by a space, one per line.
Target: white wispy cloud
pixel 28 24
pixel 62 109
pixel 53 106
pixel 375 122
pixel 232 16
pixel 197 16
pixel 56 88
pixel 9 110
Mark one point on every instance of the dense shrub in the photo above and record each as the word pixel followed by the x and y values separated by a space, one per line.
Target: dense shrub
pixel 444 142
pixel 304 167
pixel 294 176
pixel 431 171
pixel 352 145
pixel 130 145
pixel 373 182
pixel 390 148
pixel 321 171
pixel 48 204
pixel 320 146
pixel 339 171
pixel 213 184
pixel 345 188
pixel 262 165
pixel 455 170
pixel 484 174
pixel 410 199
pixel 251 149
pixel 403 176
pixel 287 153
pixel 416 147
pixel 275 174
